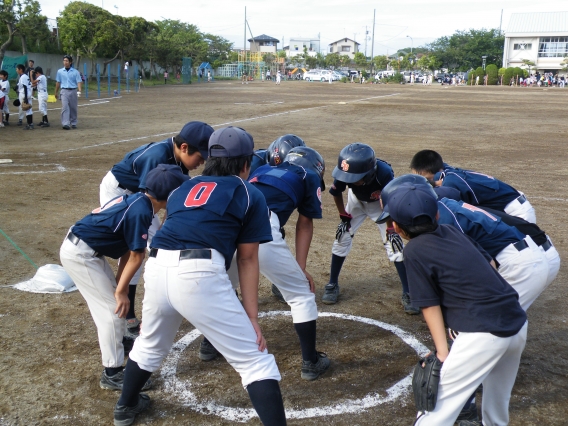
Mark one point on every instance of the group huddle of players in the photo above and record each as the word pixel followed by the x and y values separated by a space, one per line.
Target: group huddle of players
pixel 484 263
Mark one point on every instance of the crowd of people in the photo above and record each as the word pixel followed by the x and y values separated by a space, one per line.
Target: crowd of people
pixel 474 262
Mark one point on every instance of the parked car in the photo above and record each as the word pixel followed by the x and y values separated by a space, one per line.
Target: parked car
pixel 418 77
pixel 317 75
pixel 383 74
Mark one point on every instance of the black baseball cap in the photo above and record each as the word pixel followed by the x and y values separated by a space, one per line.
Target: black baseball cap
pixel 196 134
pixel 163 179
pixel 234 142
pixel 412 205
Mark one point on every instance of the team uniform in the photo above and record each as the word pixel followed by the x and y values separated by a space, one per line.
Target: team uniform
pixel 258 159
pixel 445 269
pixel 42 95
pixel 5 89
pixel 129 176
pixel 483 190
pixel 520 261
pixel 25 95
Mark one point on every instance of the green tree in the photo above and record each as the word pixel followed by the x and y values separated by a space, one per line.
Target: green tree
pixel 176 40
pixel 381 62
pixel 360 59
pixel 429 62
pixel 332 60
pixel 528 63
pixel 320 60
pixel 507 75
pixel 345 60
pixel 492 74
pixel 218 50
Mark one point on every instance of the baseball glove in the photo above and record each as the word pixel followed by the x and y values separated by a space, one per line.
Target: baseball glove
pixel 26 106
pixel 425 382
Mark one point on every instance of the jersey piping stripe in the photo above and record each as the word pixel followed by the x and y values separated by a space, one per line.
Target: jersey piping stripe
pixel 126 211
pixel 144 152
pixel 464 181
pixel 453 215
pixel 246 189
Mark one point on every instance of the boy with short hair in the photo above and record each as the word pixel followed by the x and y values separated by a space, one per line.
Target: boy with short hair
pixel 25 96
pixel 40 83
pixel 452 280
pixel 475 188
pixel 5 89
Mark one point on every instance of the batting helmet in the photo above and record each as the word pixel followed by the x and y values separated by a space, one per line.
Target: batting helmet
pixel 394 184
pixel 278 149
pixel 309 159
pixel 356 161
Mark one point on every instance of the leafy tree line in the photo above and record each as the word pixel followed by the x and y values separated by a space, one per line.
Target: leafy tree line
pixel 89 31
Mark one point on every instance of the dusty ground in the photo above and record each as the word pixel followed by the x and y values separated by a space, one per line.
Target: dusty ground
pixel 49 356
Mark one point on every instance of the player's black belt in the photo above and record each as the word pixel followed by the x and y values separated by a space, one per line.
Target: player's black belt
pixel 521 199
pixel 546 246
pixel 75 240
pixel 121 186
pixel 68 88
pixel 521 245
pixel 188 254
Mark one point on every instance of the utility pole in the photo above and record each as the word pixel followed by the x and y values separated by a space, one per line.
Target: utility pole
pixel 500 22
pixel 373 42
pixel 366 34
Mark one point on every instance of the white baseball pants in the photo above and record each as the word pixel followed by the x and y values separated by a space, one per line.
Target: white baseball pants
pixel 21 112
pixel 200 291
pixel 553 259
pixel 280 267
pixel 108 189
pixel 360 210
pixel 526 270
pixel 95 280
pixel 42 100
pixel 478 358
pixel 6 108
pixel 523 210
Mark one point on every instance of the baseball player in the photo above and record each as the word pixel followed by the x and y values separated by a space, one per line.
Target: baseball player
pixel 475 188
pixel 5 89
pixel 188 150
pixel 258 159
pixel 294 184
pixel 40 84
pixel 25 95
pixel 364 175
pixel 118 229
pixel 452 280
pixel 208 218
pixel 2 100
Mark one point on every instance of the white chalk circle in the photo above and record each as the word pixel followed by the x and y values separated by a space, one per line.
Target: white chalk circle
pixel 182 388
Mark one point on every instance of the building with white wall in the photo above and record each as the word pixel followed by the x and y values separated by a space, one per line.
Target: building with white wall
pixel 540 37
pixel 264 44
pixel 344 46
pixel 297 44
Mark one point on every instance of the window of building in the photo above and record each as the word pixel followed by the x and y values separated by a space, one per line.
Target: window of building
pixel 295 47
pixel 522 46
pixel 553 47
pixel 331 49
pixel 346 48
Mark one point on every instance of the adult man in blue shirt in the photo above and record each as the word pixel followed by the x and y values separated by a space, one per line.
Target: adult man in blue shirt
pixel 68 79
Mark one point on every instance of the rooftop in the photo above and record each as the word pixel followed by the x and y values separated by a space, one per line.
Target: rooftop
pixel 264 37
pixel 538 22
pixel 344 39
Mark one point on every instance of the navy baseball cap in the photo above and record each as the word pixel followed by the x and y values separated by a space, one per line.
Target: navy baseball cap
pixel 197 134
pixel 394 184
pixel 233 142
pixel 163 179
pixel 411 204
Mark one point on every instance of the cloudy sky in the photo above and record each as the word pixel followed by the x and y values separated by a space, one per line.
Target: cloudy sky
pixel 331 20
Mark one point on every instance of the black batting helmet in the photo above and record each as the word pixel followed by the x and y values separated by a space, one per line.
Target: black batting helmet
pixel 278 149
pixel 393 185
pixel 309 159
pixel 356 161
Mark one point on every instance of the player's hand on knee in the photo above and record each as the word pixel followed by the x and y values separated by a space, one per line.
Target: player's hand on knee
pixel 395 241
pixel 344 226
pixel 310 281
pixel 260 340
pixel 122 304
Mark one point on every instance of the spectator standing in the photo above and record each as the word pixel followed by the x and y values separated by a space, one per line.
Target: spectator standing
pixel 68 79
pixel 166 77
pixel 40 84
pixel 208 75
pixel 30 72
pixel 477 80
pixel 268 75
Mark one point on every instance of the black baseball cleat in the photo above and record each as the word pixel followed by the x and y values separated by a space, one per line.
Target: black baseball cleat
pixel 311 371
pixel 331 294
pixel 469 414
pixel 124 416
pixel 207 351
pixel 66 127
pixel 408 308
pixel 276 293
pixel 115 382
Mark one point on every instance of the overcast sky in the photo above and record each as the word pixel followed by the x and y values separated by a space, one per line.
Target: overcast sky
pixel 422 20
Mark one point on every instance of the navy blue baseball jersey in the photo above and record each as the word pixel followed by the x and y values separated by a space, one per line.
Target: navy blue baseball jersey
pixel 117 227
pixel 524 227
pixel 217 212
pixel 287 187
pixel 483 227
pixel 132 170
pixel 370 192
pixel 258 159
pixel 446 269
pixel 479 189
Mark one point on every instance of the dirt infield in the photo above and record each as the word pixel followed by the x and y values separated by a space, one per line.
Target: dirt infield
pixel 49 356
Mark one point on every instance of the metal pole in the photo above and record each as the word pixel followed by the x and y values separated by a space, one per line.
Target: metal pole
pixel 411 43
pixel 245 42
pixel 128 80
pixel 373 41
pixel 108 74
pixel 86 80
pixel 99 80
pixel 118 75
pixel 501 22
pixel 136 84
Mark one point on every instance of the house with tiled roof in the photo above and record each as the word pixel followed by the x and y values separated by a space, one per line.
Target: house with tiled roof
pixel 263 43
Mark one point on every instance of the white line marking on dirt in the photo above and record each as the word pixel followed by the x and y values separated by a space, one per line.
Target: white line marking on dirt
pixel 218 125
pixel 182 388
pixel 549 198
pixel 28 169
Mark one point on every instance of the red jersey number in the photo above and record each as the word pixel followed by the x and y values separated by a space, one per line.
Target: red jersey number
pixel 199 194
